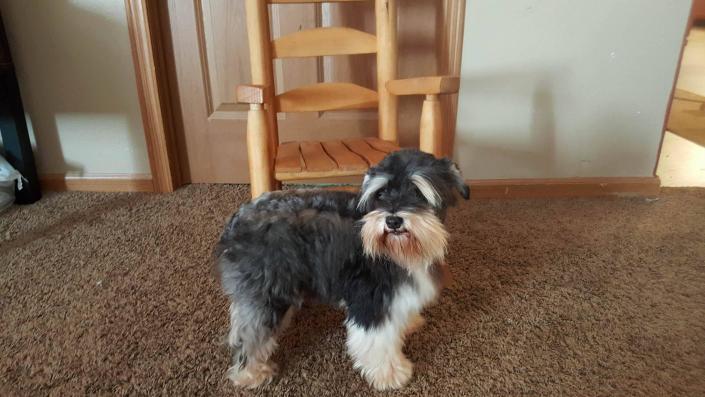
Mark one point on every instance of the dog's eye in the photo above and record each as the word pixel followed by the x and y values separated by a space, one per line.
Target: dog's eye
pixel 379 194
pixel 418 193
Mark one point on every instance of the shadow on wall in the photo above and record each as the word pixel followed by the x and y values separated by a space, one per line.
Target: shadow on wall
pixel 74 65
pixel 525 136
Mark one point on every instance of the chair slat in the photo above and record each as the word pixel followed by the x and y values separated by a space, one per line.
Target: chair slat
pixel 289 157
pixel 362 148
pixel 313 1
pixel 345 159
pixel 315 158
pixel 324 41
pixel 326 96
pixel 382 146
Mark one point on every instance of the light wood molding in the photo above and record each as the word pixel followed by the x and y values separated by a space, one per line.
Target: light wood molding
pixel 324 41
pixel 97 183
pixel 251 94
pixel 564 187
pixel 431 85
pixel 553 188
pixel 326 96
pixel 152 89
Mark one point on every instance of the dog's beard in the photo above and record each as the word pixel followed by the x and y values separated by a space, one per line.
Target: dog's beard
pixel 421 241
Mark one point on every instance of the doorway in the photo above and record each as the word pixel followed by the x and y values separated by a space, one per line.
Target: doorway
pixel 682 158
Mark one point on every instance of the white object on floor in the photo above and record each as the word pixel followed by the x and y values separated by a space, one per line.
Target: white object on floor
pixel 682 162
pixel 8 177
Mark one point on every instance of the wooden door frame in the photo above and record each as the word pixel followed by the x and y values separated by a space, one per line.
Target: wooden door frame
pixel 146 27
pixel 148 55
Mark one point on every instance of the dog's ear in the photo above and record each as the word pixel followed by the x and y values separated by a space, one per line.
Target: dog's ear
pixel 458 180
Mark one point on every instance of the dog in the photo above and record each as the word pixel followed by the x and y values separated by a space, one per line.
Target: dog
pixel 378 254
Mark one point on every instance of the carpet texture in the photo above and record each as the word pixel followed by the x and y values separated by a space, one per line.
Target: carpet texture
pixel 112 294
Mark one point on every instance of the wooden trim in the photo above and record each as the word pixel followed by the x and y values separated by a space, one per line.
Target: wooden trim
pixel 152 88
pixel 550 188
pixel 97 183
pixel 673 90
pixel 567 187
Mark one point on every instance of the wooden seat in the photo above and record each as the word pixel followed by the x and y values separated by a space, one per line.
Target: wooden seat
pixel 272 162
pixel 346 157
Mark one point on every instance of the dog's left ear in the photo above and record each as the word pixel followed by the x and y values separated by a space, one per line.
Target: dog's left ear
pixel 458 180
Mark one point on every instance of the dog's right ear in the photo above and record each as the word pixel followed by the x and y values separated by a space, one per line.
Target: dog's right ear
pixel 372 183
pixel 458 180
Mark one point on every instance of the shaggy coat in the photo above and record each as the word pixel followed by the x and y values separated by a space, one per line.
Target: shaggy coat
pixel 376 254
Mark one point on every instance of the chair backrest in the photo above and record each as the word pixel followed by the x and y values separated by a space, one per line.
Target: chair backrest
pixel 321 42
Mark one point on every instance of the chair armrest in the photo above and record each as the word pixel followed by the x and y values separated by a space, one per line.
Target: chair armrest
pixel 432 85
pixel 252 94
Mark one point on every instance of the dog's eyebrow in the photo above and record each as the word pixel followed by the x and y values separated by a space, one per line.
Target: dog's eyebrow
pixel 427 189
pixel 370 186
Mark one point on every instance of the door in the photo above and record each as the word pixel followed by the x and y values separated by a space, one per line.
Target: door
pixel 211 57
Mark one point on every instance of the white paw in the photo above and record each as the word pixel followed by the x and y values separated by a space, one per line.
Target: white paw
pixel 392 375
pixel 252 376
pixel 415 324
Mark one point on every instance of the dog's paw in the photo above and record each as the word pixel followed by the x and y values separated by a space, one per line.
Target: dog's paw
pixel 392 375
pixel 252 376
pixel 415 323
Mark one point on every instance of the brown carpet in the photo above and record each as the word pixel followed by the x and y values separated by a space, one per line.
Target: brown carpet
pixel 111 294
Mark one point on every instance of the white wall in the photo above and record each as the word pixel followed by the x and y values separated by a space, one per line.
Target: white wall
pixel 566 88
pixel 77 80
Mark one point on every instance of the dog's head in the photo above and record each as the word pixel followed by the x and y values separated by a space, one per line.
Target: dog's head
pixel 404 201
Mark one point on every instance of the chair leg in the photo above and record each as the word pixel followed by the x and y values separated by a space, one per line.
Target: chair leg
pixel 431 132
pixel 259 151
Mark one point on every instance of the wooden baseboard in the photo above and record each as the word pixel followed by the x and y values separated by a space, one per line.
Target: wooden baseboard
pixel 97 183
pixel 565 187
pixel 479 189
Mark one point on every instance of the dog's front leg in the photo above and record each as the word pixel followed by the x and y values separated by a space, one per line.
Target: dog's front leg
pixel 377 353
pixel 416 321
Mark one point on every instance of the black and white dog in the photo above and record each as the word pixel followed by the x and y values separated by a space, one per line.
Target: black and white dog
pixel 377 254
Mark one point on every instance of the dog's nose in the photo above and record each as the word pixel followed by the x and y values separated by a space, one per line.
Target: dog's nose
pixel 394 222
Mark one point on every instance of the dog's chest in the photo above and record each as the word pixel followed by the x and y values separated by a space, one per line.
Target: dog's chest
pixel 413 297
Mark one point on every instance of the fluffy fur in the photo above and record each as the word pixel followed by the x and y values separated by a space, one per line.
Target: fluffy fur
pixel 377 254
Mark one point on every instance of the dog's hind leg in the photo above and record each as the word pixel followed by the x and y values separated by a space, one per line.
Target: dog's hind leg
pixel 252 338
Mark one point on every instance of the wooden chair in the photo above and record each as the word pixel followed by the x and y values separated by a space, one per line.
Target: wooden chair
pixel 270 161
